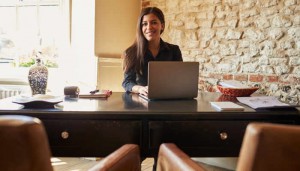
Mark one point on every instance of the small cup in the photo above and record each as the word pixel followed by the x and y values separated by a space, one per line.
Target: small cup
pixel 71 91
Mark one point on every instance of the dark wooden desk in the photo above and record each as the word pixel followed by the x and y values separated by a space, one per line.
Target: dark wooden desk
pixel 96 127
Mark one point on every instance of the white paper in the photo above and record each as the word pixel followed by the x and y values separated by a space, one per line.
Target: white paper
pixel 232 84
pixel 226 106
pixel 262 102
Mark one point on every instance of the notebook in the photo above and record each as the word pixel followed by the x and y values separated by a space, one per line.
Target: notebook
pixel 172 80
pixel 229 106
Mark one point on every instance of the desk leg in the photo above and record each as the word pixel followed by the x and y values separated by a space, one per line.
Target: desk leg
pixel 154 164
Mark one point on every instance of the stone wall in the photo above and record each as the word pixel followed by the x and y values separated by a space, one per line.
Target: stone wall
pixel 256 42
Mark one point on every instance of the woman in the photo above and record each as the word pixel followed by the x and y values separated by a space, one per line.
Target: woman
pixel 148 46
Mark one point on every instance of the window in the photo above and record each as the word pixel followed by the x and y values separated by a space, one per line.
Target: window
pixel 28 27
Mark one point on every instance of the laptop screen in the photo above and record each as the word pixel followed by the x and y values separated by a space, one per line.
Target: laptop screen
pixel 172 79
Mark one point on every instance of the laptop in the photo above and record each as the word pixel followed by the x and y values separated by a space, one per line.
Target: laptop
pixel 172 80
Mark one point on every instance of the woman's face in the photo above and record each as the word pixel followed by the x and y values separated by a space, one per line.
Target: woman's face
pixel 151 27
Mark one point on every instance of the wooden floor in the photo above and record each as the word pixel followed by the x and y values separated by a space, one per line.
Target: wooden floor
pixel 147 164
pixel 83 164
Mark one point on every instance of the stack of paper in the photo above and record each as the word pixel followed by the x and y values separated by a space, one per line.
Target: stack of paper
pixel 227 106
pixel 263 102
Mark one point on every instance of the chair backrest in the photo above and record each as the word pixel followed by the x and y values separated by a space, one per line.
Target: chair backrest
pixel 171 158
pixel 266 146
pixel 126 158
pixel 23 144
pixel 269 146
pixel 24 147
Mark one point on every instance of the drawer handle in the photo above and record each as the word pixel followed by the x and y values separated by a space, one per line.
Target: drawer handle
pixel 65 134
pixel 223 135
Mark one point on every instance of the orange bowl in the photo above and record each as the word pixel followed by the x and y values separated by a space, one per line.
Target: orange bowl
pixel 237 92
pixel 225 98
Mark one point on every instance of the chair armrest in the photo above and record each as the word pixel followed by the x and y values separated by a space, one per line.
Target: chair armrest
pixel 171 158
pixel 126 158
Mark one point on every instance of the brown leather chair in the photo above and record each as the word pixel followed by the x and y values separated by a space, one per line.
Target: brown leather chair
pixel 126 158
pixel 23 144
pixel 265 147
pixel 171 158
pixel 269 146
pixel 24 147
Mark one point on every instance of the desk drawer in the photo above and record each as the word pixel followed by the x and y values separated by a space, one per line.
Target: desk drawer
pixel 200 138
pixel 204 133
pixel 209 137
pixel 91 137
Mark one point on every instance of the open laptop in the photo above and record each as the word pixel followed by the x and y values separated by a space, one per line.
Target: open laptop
pixel 172 80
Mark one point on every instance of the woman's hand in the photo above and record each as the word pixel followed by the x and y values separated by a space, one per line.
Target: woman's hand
pixel 140 89
pixel 143 91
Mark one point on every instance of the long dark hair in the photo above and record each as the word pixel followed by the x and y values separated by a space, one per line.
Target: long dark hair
pixel 134 55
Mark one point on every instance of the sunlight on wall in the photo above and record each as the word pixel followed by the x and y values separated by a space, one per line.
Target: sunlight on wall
pixel 80 64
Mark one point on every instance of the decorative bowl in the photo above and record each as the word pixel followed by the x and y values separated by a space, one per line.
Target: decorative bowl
pixel 237 92
pixel 38 101
pixel 225 98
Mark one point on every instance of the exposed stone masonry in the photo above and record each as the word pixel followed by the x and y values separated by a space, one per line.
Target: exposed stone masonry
pixel 256 42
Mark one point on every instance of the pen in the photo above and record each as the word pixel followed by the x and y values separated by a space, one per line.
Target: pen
pixel 94 91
